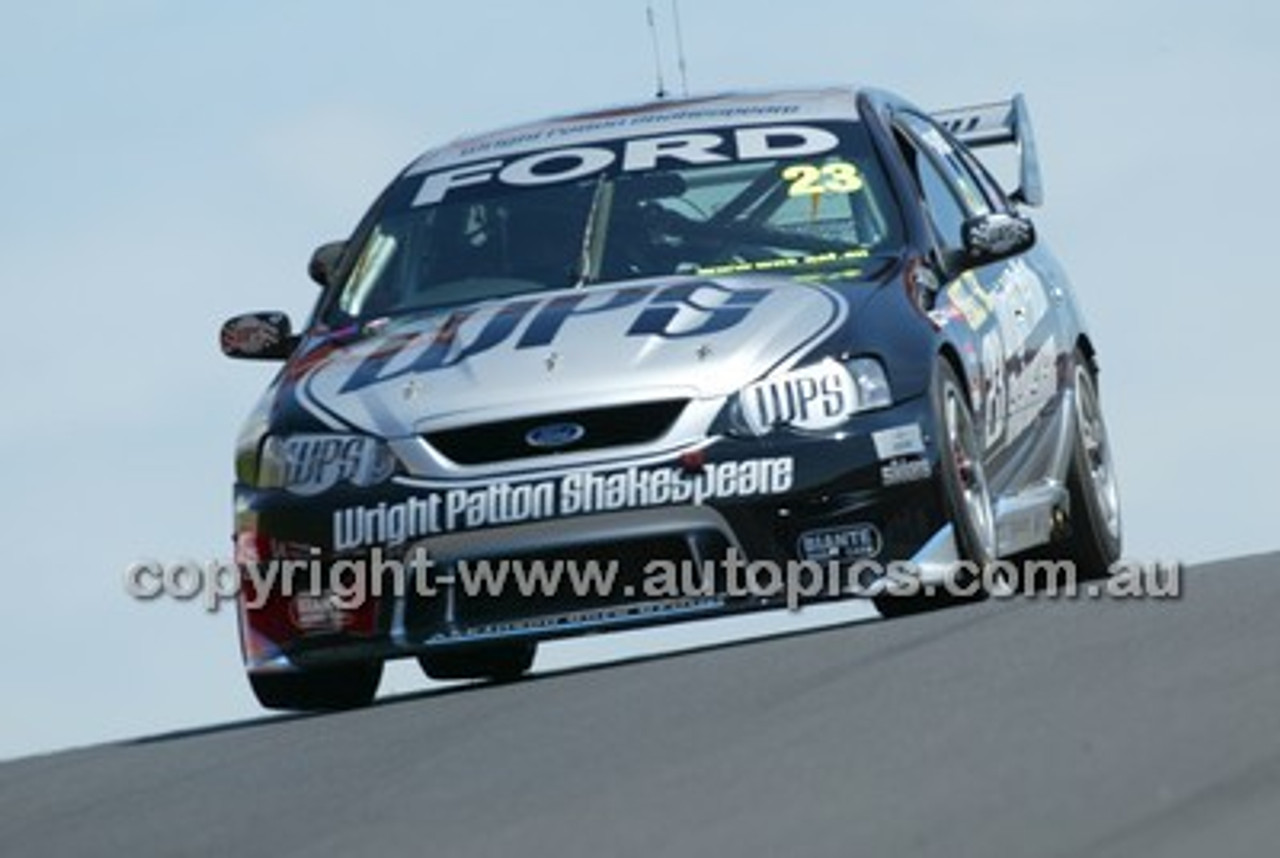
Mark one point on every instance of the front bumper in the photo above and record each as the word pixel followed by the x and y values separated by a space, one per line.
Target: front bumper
pixel 401 548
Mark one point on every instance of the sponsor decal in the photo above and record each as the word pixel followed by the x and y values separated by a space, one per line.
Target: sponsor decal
pixel 944 316
pixel 1032 387
pixel 1024 302
pixel 973 302
pixel 759 142
pixel 603 614
pixel 901 471
pixel 1016 389
pixel 995 400
pixel 815 398
pixel 905 440
pixel 854 542
pixel 609 122
pixel 674 311
pixel 316 613
pixel 316 463
pixel 787 264
pixel 446 510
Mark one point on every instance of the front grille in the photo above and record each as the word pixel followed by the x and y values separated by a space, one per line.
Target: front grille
pixel 602 427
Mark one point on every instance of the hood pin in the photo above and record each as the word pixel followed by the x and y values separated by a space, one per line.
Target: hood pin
pixel 412 390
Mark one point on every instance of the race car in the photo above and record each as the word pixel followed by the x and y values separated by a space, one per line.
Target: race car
pixel 678 345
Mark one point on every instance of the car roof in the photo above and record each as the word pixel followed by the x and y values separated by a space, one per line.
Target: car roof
pixel 659 116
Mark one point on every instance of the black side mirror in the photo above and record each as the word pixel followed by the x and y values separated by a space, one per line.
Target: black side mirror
pixel 324 262
pixel 995 236
pixel 258 336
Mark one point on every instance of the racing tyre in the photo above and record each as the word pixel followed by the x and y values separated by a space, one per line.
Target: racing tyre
pixel 1093 541
pixel 501 662
pixel 346 686
pixel 965 494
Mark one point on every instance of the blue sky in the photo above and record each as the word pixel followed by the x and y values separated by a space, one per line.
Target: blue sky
pixel 168 165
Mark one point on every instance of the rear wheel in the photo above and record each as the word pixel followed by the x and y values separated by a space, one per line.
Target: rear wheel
pixel 346 686
pixel 501 662
pixel 1093 541
pixel 965 494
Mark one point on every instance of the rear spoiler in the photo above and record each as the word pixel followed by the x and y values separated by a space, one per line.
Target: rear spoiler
pixel 998 124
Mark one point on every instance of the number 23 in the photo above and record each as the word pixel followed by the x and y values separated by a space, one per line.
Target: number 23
pixel 834 178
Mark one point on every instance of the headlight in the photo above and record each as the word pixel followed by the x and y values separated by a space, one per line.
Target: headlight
pixel 311 464
pixel 249 441
pixel 815 398
pixel 873 384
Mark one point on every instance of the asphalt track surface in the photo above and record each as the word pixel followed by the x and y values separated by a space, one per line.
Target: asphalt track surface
pixel 1020 727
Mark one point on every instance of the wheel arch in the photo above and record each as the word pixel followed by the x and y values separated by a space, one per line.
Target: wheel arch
pixel 948 352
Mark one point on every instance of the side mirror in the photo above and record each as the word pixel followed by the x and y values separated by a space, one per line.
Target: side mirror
pixel 995 236
pixel 324 261
pixel 258 336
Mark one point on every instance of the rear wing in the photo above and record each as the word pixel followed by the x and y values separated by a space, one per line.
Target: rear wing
pixel 997 124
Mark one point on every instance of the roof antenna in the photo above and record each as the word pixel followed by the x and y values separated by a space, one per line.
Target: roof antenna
pixel 657 51
pixel 684 76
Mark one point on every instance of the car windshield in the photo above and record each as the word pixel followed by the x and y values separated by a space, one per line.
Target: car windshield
pixel 808 201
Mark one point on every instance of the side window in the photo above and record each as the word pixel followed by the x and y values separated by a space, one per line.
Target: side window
pixel 950 159
pixel 990 187
pixel 943 207
pixel 939 159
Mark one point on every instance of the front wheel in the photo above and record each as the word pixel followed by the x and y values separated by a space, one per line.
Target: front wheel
pixel 346 686
pixel 965 495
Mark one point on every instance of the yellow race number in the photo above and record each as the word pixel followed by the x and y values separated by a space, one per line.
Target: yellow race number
pixel 836 177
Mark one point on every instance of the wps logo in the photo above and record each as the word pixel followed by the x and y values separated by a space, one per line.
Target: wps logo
pixel 675 311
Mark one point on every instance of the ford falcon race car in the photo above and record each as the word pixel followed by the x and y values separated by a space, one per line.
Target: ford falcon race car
pixel 665 343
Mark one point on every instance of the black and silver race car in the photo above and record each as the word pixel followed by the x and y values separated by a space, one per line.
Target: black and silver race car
pixel 669 344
